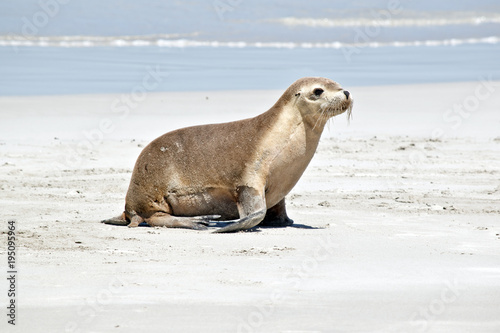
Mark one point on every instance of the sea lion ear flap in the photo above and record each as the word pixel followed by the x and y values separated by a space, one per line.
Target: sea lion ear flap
pixel 297 95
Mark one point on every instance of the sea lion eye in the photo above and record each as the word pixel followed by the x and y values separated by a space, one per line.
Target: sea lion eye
pixel 318 91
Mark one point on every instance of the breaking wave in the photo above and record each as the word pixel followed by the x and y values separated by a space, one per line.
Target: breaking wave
pixel 380 21
pixel 164 41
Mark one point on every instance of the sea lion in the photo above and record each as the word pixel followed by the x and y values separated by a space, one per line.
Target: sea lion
pixel 238 172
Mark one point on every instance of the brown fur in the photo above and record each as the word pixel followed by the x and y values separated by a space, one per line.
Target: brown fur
pixel 239 171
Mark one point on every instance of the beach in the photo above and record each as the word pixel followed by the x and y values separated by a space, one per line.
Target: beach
pixel 396 218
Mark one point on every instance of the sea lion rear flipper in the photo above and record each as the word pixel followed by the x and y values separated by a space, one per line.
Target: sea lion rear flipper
pixel 118 220
pixel 252 209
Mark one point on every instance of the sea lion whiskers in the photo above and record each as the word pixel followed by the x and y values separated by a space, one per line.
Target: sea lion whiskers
pixel 322 115
pixel 327 110
pixel 336 107
pixel 349 111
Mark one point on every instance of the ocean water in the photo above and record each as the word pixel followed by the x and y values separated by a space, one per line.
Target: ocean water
pixel 77 46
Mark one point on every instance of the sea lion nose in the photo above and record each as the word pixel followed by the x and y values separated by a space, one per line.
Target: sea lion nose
pixel 346 93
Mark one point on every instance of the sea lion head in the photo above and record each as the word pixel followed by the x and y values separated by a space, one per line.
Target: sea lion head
pixel 320 98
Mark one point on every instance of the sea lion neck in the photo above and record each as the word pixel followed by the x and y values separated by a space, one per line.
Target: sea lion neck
pixel 286 110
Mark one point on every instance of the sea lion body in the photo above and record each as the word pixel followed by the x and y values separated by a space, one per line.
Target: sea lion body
pixel 239 171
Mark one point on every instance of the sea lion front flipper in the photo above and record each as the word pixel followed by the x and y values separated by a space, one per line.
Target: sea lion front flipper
pixel 161 219
pixel 252 209
pixel 245 223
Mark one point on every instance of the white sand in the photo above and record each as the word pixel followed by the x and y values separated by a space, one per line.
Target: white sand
pixel 397 220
